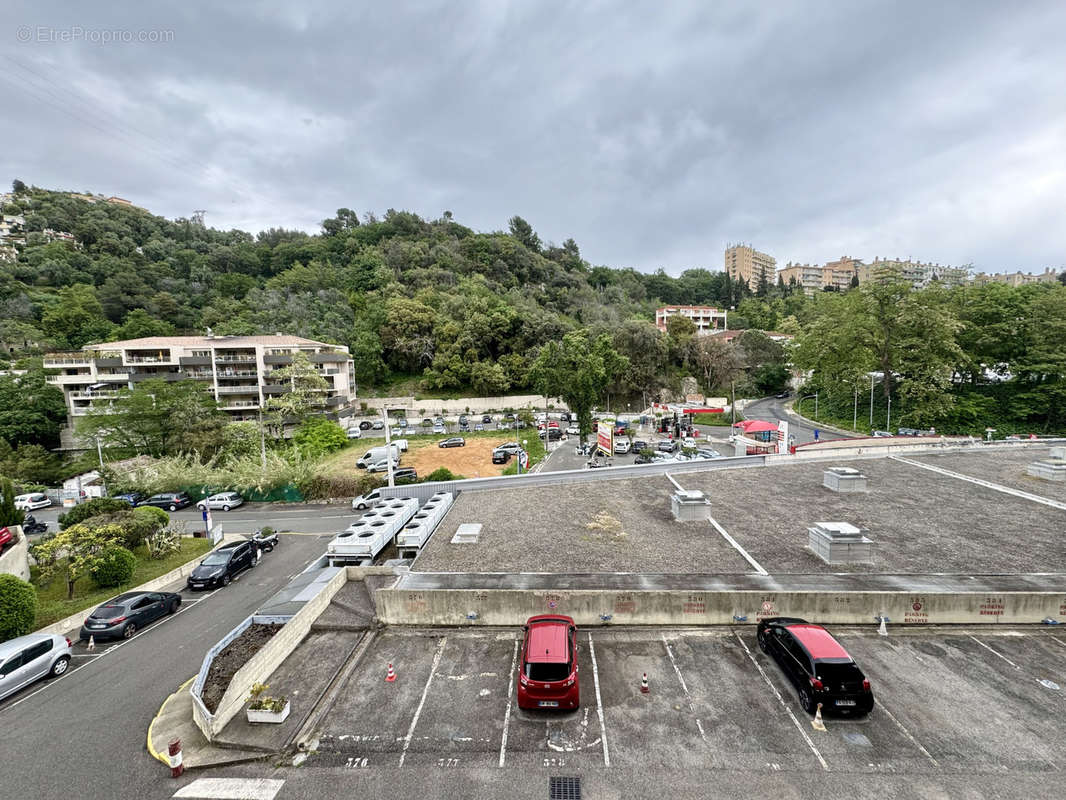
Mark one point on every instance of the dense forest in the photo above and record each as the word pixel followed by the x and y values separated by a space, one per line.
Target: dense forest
pixel 435 307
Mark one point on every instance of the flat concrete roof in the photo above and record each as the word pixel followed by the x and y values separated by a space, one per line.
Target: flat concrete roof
pixel 603 526
pixel 921 521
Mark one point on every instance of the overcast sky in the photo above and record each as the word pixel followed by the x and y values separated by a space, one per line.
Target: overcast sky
pixel 653 134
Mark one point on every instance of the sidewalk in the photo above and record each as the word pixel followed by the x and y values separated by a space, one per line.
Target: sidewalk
pixel 174 721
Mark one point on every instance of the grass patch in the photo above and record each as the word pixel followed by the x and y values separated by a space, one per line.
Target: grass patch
pixel 714 420
pixel 52 602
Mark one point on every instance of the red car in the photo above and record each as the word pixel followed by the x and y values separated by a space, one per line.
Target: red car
pixel 547 676
pixel 6 538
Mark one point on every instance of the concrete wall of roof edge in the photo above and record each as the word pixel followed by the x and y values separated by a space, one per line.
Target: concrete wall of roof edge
pixel 455 607
pixel 15 560
pixel 260 666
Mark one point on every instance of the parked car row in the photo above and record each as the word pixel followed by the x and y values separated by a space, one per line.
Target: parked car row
pixel 824 674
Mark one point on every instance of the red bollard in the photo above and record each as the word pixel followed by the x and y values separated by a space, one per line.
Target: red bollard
pixel 174 753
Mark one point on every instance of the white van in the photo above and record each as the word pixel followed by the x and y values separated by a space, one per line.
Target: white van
pixel 375 454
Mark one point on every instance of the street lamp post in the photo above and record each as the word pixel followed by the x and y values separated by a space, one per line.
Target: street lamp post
pixel 855 411
pixel 808 397
pixel 888 419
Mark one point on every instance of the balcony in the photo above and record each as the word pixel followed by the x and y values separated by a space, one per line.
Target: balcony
pixel 238 404
pixel 278 359
pixel 194 361
pixel 60 360
pixel 230 374
pixel 276 388
pixel 321 358
pixel 105 394
pixel 149 360
pixel 109 361
pixel 247 389
pixel 235 358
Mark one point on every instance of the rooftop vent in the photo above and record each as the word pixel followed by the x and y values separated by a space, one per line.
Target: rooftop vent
pixel 843 480
pixel 690 506
pixel 1050 469
pixel 1059 453
pixel 468 533
pixel 840 543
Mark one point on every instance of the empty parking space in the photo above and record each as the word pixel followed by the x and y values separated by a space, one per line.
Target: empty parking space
pixel 948 701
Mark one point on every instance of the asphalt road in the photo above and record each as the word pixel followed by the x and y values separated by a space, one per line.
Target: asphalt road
pixel 773 410
pixel 83 735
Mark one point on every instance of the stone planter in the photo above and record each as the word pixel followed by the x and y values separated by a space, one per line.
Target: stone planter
pixel 262 715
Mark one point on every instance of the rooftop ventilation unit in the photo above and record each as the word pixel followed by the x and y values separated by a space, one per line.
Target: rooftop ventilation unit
pixel 416 533
pixel 372 533
pixel 843 480
pixel 468 533
pixel 690 506
pixel 1050 469
pixel 840 543
pixel 1058 453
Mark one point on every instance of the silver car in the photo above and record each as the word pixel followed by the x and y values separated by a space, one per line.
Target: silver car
pixel 30 658
pixel 223 500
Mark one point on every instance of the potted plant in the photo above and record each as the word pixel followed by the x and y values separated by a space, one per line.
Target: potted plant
pixel 264 708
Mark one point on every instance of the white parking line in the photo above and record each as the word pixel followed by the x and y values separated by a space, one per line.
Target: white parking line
pixel 109 650
pixel 1057 641
pixel 510 694
pixel 994 652
pixel 905 732
pixel 599 703
pixel 684 686
pixel 784 705
pixel 736 545
pixel 231 789
pixel 987 484
pixel 422 702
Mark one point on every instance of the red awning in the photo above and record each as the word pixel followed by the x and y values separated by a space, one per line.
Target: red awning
pixel 756 425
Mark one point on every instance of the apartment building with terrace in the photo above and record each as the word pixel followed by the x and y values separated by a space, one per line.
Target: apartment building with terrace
pixel 237 370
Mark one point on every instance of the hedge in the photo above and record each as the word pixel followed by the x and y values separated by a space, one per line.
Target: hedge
pixel 18 607
pixel 116 567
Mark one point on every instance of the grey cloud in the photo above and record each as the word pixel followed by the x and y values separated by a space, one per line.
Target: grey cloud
pixel 651 133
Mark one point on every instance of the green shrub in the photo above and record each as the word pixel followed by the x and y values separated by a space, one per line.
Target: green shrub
pixel 442 474
pixel 9 515
pixel 136 524
pixel 92 508
pixel 18 607
pixel 153 515
pixel 162 543
pixel 324 487
pixel 115 568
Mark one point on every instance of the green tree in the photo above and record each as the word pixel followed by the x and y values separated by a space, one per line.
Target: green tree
pixel 76 318
pixel 488 378
pixel 140 324
pixel 114 567
pixel 31 409
pixel 718 362
pixel 153 418
pixel 75 552
pixel 9 515
pixel 305 390
pixel 523 232
pixel 18 607
pixel 579 370
pixel 317 436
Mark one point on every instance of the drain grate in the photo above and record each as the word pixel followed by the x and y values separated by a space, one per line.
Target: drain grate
pixel 564 788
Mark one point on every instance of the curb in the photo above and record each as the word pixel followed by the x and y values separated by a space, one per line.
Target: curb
pixel 74 620
pixel 156 755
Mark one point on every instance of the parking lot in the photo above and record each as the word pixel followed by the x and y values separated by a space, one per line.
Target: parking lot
pixel 973 700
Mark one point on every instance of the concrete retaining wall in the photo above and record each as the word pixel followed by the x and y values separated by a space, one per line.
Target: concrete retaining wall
pixel 455 607
pixel 260 666
pixel 461 405
pixel 16 559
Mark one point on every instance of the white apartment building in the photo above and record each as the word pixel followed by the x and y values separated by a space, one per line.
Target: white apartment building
pixel 236 369
pixel 707 318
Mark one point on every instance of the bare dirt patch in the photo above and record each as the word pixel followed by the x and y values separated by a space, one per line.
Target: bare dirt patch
pixel 474 460
pixel 234 656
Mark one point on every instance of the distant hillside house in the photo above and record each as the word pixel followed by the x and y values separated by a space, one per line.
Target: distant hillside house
pixel 236 369
pixel 706 318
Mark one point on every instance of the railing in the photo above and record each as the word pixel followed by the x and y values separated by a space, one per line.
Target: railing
pixel 101 395
pixel 253 389
pixel 50 361
pixel 232 359
pixel 146 360
pixel 238 373
pixel 238 404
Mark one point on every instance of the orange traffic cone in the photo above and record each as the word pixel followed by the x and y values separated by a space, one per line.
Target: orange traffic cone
pixel 644 684
pixel 817 723
pixel 390 676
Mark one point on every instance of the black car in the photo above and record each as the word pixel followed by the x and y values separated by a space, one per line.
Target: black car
pixel 133 498
pixel 404 474
pixel 463 419
pixel 171 501
pixel 455 441
pixel 639 444
pixel 553 434
pixel 781 395
pixel 223 564
pixel 818 666
pixel 486 419
pixel 427 423
pixel 365 425
pixel 501 456
pixel 121 616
